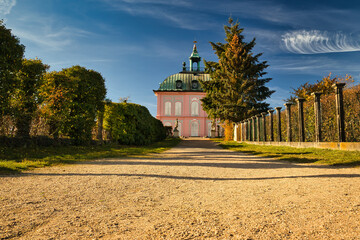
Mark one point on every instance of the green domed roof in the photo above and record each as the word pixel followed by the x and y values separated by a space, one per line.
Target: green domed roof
pixel 184 82
pixel 188 80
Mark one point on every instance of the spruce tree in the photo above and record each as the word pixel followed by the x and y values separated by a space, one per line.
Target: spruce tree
pixel 236 90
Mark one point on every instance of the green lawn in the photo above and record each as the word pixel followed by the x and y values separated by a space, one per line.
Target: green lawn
pixel 14 160
pixel 298 155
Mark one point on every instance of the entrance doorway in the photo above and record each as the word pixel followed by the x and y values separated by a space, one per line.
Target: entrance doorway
pixel 194 129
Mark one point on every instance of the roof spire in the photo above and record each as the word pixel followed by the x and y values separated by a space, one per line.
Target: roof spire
pixel 195 58
pixel 194 48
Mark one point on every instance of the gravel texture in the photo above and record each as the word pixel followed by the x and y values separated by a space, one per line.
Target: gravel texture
pixel 194 191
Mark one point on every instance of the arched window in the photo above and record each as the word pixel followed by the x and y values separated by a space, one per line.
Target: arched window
pixel 194 108
pixel 167 108
pixel 178 109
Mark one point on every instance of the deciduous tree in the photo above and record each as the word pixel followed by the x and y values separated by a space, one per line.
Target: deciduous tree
pixel 58 92
pixel 87 100
pixel 325 86
pixel 26 99
pixel 11 54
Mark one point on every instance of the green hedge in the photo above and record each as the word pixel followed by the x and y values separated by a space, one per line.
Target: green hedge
pixel 132 124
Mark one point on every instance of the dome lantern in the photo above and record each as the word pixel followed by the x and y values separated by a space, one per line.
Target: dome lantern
pixel 195 58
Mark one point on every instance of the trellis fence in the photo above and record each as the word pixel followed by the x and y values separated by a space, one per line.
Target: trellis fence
pixel 323 125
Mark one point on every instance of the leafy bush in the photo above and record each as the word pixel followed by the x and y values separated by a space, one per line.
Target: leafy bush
pixel 132 124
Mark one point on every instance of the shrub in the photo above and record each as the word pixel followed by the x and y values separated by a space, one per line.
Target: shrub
pixel 132 124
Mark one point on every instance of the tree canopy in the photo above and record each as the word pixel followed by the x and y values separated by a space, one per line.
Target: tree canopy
pixel 236 89
pixel 26 96
pixel 325 86
pixel 87 98
pixel 11 54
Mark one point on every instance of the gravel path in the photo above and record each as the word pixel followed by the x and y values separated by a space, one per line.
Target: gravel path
pixel 193 191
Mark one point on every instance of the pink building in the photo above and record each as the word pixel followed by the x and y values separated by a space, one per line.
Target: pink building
pixel 178 98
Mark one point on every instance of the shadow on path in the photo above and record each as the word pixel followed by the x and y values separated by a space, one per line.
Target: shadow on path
pixel 194 178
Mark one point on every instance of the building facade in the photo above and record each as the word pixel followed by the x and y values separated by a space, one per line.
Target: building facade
pixel 178 100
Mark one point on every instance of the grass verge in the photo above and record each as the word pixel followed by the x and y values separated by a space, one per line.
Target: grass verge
pixel 15 160
pixel 298 155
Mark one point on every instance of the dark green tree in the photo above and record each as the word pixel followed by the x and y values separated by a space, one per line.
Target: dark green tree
pixel 237 88
pixel 87 99
pixel 26 97
pixel 11 54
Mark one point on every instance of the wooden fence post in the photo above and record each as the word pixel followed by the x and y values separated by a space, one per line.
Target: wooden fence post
pixel 288 121
pixel 278 113
pixel 271 125
pixel 300 102
pixel 264 125
pixel 340 116
pixel 317 110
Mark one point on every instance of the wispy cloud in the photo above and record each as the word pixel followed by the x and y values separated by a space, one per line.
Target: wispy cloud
pixel 177 13
pixel 302 65
pixel 44 32
pixel 315 41
pixel 6 6
pixel 160 2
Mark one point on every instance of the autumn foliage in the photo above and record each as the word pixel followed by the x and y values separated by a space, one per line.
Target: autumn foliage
pixel 62 106
pixel 328 111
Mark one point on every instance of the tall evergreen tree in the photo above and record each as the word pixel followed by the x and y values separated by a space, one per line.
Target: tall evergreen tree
pixel 236 90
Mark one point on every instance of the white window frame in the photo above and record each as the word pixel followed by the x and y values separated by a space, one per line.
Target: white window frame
pixel 194 108
pixel 167 108
pixel 178 108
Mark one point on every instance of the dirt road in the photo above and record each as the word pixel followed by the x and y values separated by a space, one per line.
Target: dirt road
pixel 193 191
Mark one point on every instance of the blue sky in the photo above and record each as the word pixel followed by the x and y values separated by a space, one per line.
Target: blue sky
pixel 136 44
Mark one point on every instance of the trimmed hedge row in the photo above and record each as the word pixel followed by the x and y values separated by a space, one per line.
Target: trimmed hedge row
pixel 132 124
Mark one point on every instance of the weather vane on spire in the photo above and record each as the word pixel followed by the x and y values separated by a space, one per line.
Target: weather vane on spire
pixel 194 48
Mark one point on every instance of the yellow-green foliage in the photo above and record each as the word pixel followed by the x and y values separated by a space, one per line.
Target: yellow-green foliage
pixel 132 124
pixel 328 116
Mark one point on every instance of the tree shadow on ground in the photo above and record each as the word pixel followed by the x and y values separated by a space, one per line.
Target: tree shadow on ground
pixel 193 178
pixel 181 162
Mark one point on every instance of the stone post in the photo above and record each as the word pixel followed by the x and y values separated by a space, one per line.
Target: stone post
pixel 340 116
pixel 258 117
pixel 271 125
pixel 278 113
pixel 317 110
pixel 300 102
pixel 288 121
pixel 253 129
pixel 264 125
pixel 247 130
pixel 235 132
pixel 243 129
